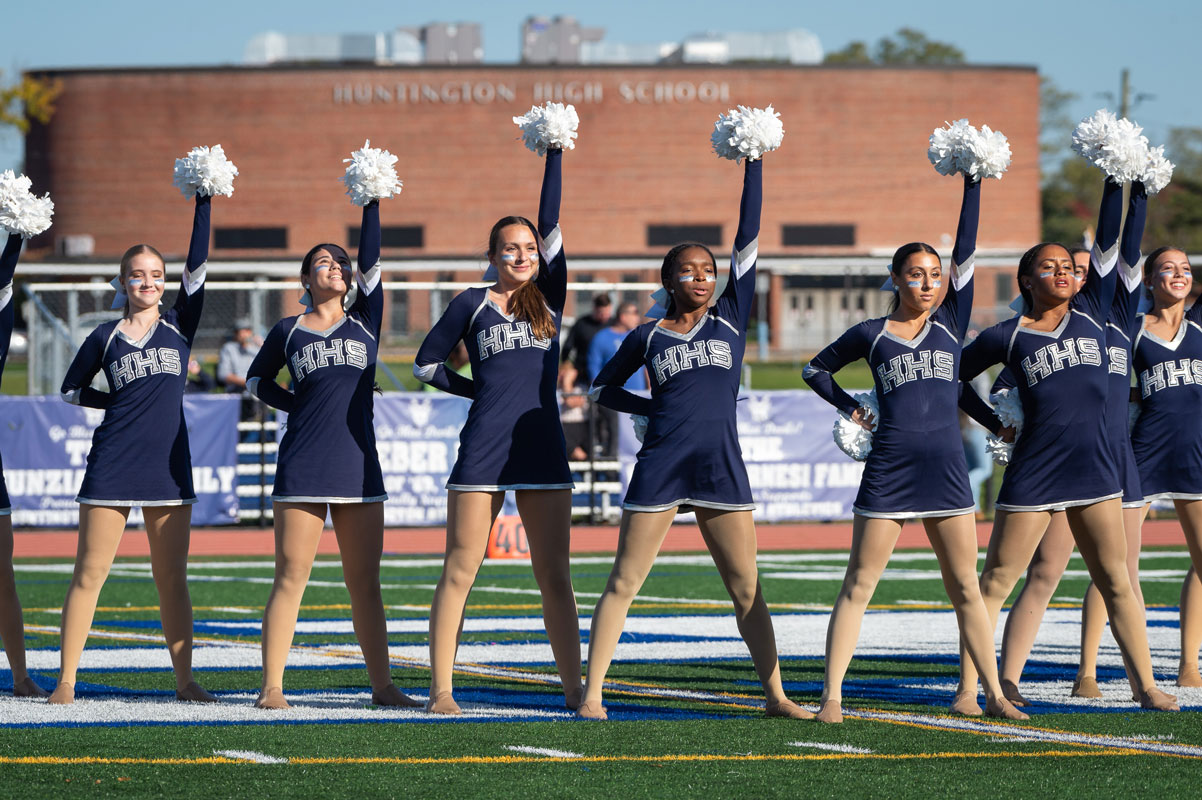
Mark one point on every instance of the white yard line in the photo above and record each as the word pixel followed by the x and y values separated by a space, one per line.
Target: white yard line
pixel 835 748
pixel 250 755
pixel 542 751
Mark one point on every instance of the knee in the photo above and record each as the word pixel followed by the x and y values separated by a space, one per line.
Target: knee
pixel 291 577
pixel 90 577
pixel 743 594
pixel 555 583
pixel 962 588
pixel 624 585
pixel 858 587
pixel 1112 582
pixel 996 583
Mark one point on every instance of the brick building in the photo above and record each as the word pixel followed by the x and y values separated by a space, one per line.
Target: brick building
pixel 850 184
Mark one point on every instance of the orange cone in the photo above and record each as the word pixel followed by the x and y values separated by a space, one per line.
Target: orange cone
pixel 507 539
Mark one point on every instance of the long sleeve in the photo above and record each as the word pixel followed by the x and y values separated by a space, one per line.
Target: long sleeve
pixel 88 361
pixel 8 314
pixel 1097 294
pixel 430 364
pixel 956 309
pixel 260 377
pixel 369 303
pixel 607 387
pixel 972 405
pixel 819 373
pixel 1124 310
pixel 735 303
pixel 987 349
pixel 189 303
pixel 553 273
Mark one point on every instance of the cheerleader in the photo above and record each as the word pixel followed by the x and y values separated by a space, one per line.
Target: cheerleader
pixel 917 468
pixel 1063 459
pixel 1167 438
pixel 327 459
pixel 139 454
pixel 690 458
pixel 512 439
pixel 12 627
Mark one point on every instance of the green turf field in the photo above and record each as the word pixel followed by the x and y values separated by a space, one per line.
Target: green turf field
pixel 684 705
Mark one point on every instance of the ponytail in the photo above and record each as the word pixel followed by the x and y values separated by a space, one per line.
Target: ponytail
pixel 527 303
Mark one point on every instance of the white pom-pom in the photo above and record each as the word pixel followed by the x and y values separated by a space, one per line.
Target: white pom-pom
pixel 1009 409
pixel 852 437
pixel 371 175
pixel 747 133
pixel 1116 146
pixel 549 127
pixel 21 212
pixel 1158 170
pixel 640 425
pixel 205 171
pixel 959 147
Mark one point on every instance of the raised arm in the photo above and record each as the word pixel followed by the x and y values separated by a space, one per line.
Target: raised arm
pixel 89 360
pixel 369 303
pixel 956 309
pixel 735 303
pixel 553 272
pixel 607 386
pixel 819 375
pixel 1124 311
pixel 189 303
pixel 8 315
pixel 1097 294
pixel 260 377
pixel 430 364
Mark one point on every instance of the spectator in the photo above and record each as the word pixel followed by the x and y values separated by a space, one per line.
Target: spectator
pixel 573 412
pixel 575 348
pixel 607 341
pixel 199 379
pixel 233 361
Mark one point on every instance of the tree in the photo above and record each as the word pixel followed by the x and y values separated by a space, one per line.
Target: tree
pixel 1056 125
pixel 907 46
pixel 28 99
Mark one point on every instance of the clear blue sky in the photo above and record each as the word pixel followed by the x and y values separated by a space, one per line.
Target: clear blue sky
pixel 1082 46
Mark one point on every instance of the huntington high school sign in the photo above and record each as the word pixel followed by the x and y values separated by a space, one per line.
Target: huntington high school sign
pixel 487 92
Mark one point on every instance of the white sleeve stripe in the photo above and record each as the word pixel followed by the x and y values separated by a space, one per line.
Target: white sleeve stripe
pixel 424 372
pixel 369 280
pixel 810 371
pixel 553 244
pixel 594 393
pixel 6 295
pixel 72 396
pixel 194 279
pixel 962 273
pixel 742 260
pixel 1104 262
pixel 252 386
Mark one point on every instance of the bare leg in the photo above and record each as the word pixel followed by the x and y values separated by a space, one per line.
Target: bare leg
pixel 297 533
pixel 168 529
pixel 12 627
pixel 1098 529
pixel 1093 612
pixel 872 542
pixel 1191 630
pixel 100 529
pixel 1190 513
pixel 1016 534
pixel 547 517
pixel 470 517
pixel 730 537
pixel 954 540
pixel 639 540
pixel 1022 623
pixel 360 531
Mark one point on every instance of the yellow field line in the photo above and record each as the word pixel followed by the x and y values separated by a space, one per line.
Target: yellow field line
pixel 665 758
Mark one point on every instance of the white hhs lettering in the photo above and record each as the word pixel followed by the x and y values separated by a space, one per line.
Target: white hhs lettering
pixel 706 353
pixel 151 361
pixel 1118 360
pixel 336 352
pixel 508 336
pixel 1181 372
pixel 1059 356
pixel 938 364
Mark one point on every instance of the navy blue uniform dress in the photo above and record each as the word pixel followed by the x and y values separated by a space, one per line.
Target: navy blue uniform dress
pixel 1122 326
pixel 1167 438
pixel 1063 457
pixel 140 454
pixel 917 466
pixel 512 438
pixel 8 265
pixel 328 453
pixel 690 455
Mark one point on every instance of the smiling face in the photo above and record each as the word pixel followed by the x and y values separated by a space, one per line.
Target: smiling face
pixel 329 275
pixel 919 282
pixel 143 277
pixel 1051 280
pixel 1170 278
pixel 693 279
pixel 515 255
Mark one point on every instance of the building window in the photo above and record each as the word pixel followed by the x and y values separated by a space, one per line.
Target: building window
pixel 822 235
pixel 398 308
pixel 250 238
pixel 390 236
pixel 669 235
